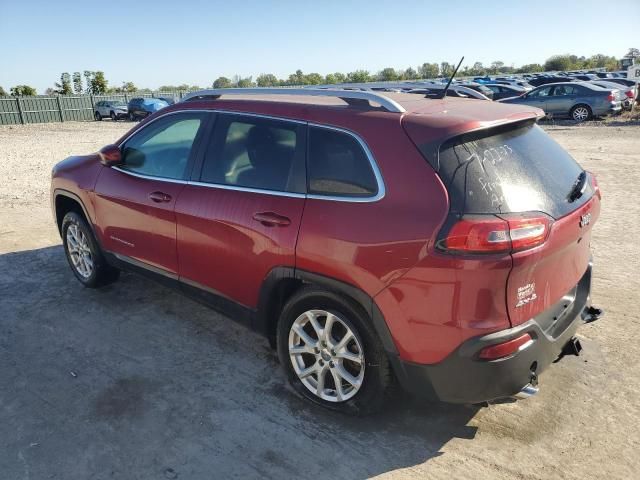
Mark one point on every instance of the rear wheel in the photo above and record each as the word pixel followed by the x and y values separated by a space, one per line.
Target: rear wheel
pixel 83 254
pixel 331 354
pixel 132 117
pixel 98 117
pixel 580 113
pixel 113 116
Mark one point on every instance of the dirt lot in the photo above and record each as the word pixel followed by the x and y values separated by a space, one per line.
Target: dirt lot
pixel 137 382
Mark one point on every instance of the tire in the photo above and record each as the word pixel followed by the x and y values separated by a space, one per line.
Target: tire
pixel 364 383
pixel 98 117
pixel 83 253
pixel 581 113
pixel 132 117
pixel 114 117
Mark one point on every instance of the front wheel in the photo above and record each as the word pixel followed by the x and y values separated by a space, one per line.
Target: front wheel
pixel 580 113
pixel 132 117
pixel 331 354
pixel 84 255
pixel 114 117
pixel 98 117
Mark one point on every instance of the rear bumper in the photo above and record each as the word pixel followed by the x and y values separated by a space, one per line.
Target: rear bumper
pixel 464 378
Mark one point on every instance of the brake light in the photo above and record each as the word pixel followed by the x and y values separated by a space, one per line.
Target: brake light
pixel 492 234
pixel 505 349
pixel 611 97
pixel 629 94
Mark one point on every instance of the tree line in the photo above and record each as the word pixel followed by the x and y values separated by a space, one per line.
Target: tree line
pixel 95 82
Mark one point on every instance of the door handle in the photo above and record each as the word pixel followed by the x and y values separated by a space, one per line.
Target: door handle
pixel 270 219
pixel 159 197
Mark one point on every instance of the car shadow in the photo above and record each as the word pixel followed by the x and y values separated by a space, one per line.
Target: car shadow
pixel 140 381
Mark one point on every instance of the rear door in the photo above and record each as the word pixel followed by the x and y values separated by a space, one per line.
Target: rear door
pixel 135 201
pixel 562 99
pixel 239 217
pixel 509 172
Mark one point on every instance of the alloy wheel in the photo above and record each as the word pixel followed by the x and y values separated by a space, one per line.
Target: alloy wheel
pixel 326 355
pixel 79 251
pixel 580 114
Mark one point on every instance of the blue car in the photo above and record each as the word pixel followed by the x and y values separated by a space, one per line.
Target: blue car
pixel 143 107
pixel 577 100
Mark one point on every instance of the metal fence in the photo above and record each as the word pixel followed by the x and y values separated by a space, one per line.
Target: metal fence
pixel 63 108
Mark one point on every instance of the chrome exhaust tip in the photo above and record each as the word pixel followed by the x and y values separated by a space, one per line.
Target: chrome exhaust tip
pixel 527 391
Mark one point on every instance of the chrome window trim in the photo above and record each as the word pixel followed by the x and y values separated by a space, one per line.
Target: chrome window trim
pixel 374 166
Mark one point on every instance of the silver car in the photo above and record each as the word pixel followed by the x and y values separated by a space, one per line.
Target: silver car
pixel 115 109
pixel 627 94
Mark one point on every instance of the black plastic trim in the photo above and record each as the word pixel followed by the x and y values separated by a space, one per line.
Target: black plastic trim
pixel 464 378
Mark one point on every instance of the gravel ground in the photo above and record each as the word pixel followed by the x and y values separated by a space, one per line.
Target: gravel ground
pixel 137 382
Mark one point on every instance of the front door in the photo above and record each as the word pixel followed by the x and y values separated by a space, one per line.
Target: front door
pixel 135 201
pixel 240 216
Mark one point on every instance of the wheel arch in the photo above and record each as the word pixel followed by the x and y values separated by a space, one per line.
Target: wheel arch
pixel 65 202
pixel 283 282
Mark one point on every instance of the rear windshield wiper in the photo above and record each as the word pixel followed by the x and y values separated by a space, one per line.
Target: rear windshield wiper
pixel 578 187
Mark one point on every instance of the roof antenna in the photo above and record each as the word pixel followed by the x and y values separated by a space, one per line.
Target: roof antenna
pixel 444 92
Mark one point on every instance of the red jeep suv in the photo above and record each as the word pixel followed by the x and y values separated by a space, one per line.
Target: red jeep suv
pixel 442 244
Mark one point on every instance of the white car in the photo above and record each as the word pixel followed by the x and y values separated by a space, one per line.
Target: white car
pixel 115 109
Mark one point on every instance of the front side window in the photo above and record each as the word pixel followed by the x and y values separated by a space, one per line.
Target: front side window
pixel 337 165
pixel 163 148
pixel 253 152
pixel 543 92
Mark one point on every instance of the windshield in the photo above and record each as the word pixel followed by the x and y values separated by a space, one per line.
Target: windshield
pixel 509 170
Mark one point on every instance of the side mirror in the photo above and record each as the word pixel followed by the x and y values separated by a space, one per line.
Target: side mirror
pixel 110 155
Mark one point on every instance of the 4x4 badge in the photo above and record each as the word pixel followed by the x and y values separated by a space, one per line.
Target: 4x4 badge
pixel 585 220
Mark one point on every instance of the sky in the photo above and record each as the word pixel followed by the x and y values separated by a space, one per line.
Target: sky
pixel 153 43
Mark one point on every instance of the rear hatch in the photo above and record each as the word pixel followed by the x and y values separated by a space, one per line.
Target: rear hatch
pixel 514 191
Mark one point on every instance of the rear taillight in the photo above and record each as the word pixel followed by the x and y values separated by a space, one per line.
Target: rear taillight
pixel 505 349
pixel 594 185
pixel 629 94
pixel 477 234
pixel 611 97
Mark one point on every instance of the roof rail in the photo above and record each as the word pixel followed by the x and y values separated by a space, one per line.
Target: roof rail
pixel 351 97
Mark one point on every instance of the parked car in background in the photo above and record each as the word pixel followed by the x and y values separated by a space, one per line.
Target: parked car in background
pixel 585 77
pixel 169 100
pixel 543 80
pixel 516 83
pixel 143 107
pixel 478 87
pixel 115 109
pixel 505 91
pixel 579 101
pixel 624 82
pixel 626 94
pixel 354 242
pixel 435 90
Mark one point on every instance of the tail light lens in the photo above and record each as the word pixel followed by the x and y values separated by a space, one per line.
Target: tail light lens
pixel 505 349
pixel 477 234
pixel 611 97
pixel 629 94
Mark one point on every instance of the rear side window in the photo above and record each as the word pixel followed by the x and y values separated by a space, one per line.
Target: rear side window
pixel 256 153
pixel 510 170
pixel 337 165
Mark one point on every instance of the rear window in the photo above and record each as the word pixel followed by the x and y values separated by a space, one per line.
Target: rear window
pixel 510 170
